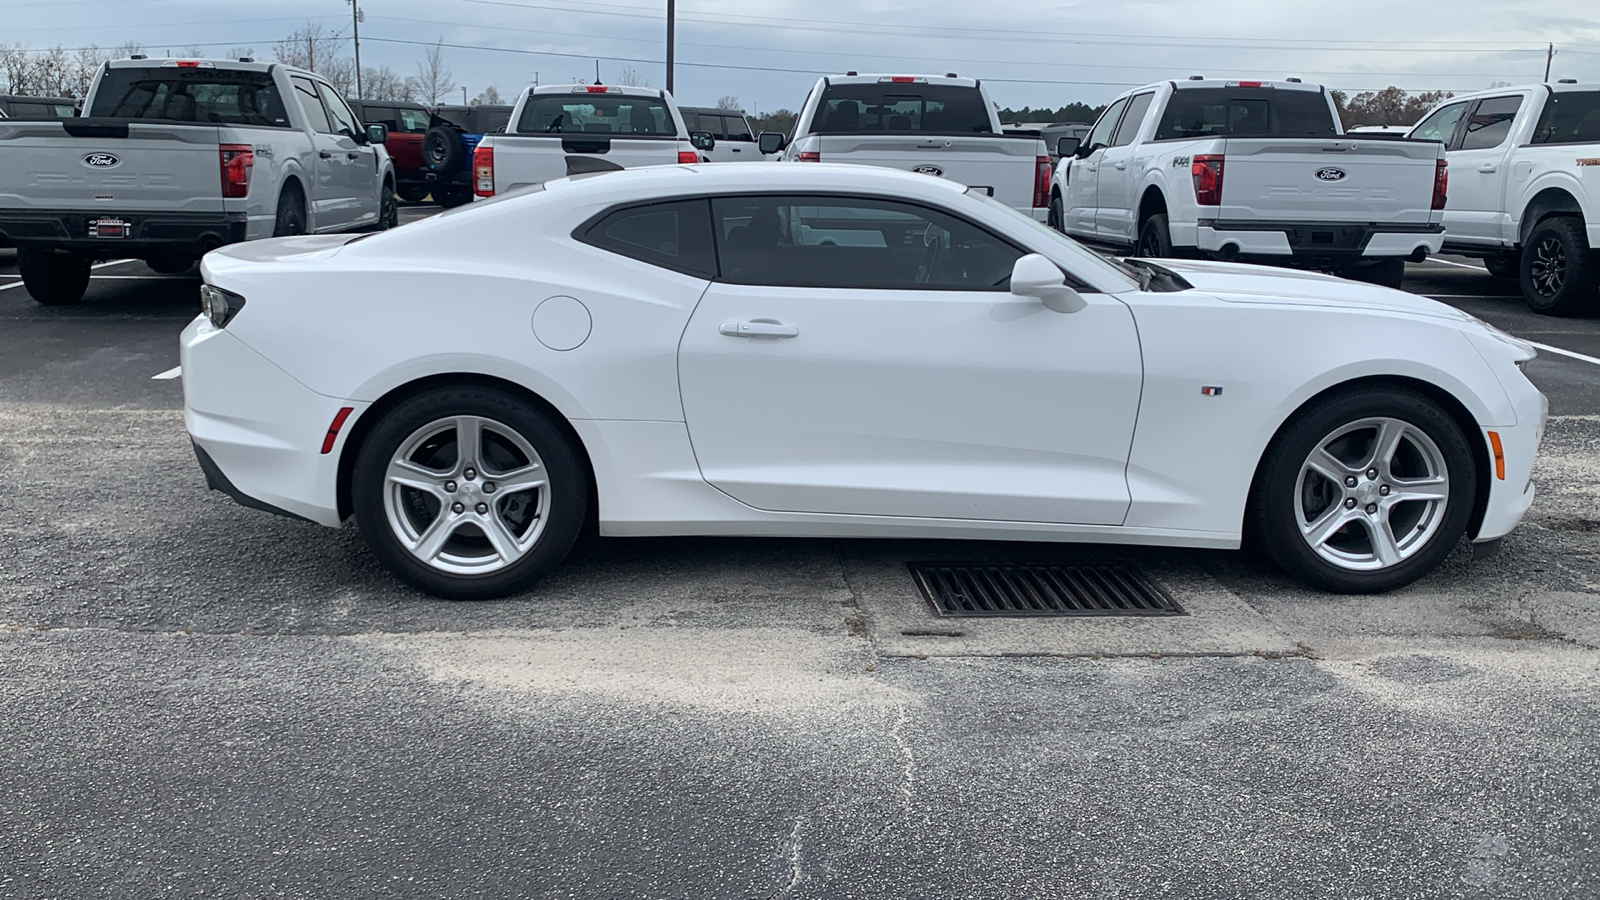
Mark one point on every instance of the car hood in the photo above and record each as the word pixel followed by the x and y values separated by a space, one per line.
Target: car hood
pixel 1241 283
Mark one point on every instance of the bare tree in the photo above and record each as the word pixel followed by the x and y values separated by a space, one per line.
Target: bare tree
pixel 632 78
pixel 728 101
pixel 127 49
pixel 54 74
pixel 85 65
pixel 193 51
pixel 434 81
pixel 16 68
pixel 310 47
pixel 384 83
pixel 490 96
pixel 241 53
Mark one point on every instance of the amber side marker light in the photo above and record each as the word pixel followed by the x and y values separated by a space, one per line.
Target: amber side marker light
pixel 1499 455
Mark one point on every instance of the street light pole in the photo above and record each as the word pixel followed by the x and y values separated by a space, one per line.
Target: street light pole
pixel 672 9
pixel 355 23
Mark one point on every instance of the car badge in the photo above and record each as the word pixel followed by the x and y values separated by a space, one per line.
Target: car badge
pixel 1210 391
pixel 929 170
pixel 1330 174
pixel 101 161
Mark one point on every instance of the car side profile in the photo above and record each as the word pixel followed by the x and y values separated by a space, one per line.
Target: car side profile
pixel 838 351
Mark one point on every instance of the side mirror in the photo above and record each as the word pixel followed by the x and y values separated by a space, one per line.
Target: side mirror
pixel 771 142
pixel 1084 150
pixel 1037 277
pixel 1066 146
pixel 377 134
pixel 702 140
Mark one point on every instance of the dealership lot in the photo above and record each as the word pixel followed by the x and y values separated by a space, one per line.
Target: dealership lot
pixel 204 699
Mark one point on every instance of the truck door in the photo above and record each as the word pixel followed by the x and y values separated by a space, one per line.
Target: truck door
pixel 1475 211
pixel 359 177
pixel 326 164
pixel 1082 187
pixel 1119 176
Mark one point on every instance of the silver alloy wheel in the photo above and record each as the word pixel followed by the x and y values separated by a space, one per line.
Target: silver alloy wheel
pixel 466 495
pixel 1548 268
pixel 1371 494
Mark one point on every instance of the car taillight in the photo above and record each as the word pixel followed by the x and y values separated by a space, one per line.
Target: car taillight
pixel 810 156
pixel 688 156
pixel 1207 172
pixel 235 161
pixel 1441 183
pixel 1041 182
pixel 483 171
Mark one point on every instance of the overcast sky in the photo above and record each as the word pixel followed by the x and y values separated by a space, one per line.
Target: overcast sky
pixel 768 54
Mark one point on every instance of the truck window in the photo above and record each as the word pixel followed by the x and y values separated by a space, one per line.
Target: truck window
pixel 1490 123
pixel 936 108
pixel 737 128
pixel 1441 126
pixel 1245 112
pixel 1570 117
pixel 596 114
pixel 344 121
pixel 1132 119
pixel 306 93
pixel 219 96
pixel 1100 135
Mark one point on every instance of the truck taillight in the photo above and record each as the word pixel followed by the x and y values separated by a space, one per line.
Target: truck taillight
pixel 235 161
pixel 1207 172
pixel 1041 182
pixel 688 156
pixel 1441 183
pixel 483 171
pixel 810 156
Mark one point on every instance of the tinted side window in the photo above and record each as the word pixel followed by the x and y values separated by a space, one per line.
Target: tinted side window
pixel 1570 117
pixel 343 119
pixel 855 242
pixel 737 128
pixel 675 235
pixel 1132 119
pixel 1441 126
pixel 306 93
pixel 1490 123
pixel 1100 135
pixel 691 119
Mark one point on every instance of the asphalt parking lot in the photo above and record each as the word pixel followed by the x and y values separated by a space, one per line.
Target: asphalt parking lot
pixel 205 700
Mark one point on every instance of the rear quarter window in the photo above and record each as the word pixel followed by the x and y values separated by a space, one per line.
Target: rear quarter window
pixel 1570 117
pixel 675 235
pixel 1245 112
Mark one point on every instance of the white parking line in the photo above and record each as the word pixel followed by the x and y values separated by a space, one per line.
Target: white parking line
pixel 114 262
pixel 1558 350
pixel 174 372
pixel 1472 297
pixel 1446 262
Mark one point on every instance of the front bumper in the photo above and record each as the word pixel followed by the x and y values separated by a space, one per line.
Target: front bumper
pixel 257 431
pixel 1511 496
pixel 1318 241
pixel 147 233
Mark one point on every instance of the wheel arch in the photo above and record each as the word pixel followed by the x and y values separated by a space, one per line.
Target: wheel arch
pixel 1447 401
pixel 1152 201
pixel 369 419
pixel 1549 201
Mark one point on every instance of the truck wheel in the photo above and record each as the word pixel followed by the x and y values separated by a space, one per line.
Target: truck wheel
pixel 291 215
pixel 1386 272
pixel 1559 271
pixel 1155 240
pixel 452 195
pixel 442 150
pixel 388 209
pixel 1504 265
pixel 1056 215
pixel 412 193
pixel 171 265
pixel 54 279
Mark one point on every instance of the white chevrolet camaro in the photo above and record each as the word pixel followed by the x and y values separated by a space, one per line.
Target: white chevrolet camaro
pixel 838 351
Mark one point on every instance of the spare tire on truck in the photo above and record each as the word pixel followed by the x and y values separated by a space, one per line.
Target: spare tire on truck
pixel 442 150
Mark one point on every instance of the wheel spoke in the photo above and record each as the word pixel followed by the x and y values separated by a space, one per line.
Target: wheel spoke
pixel 1329 466
pixel 408 474
pixel 1385 445
pixel 1318 531
pixel 524 479
pixel 1435 488
pixel 1384 546
pixel 469 442
pixel 500 537
pixel 433 538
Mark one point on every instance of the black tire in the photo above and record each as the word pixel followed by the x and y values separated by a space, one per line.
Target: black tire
pixel 388 209
pixel 442 150
pixel 1278 497
pixel 452 195
pixel 565 475
pixel 54 279
pixel 1504 265
pixel 412 193
pixel 1155 238
pixel 291 218
pixel 171 265
pixel 1056 217
pixel 1560 274
pixel 1389 273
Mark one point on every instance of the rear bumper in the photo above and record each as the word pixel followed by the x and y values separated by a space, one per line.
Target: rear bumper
pixel 1318 241
pixel 147 233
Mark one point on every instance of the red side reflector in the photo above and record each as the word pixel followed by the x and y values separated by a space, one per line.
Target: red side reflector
pixel 596 89
pixel 333 430
pixel 688 156
pixel 1499 455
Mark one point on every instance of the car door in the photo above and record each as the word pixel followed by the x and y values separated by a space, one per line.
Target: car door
pixel 863 356
pixel 736 135
pixel 1475 210
pixel 359 176
pixel 326 165
pixel 1120 174
pixel 1081 192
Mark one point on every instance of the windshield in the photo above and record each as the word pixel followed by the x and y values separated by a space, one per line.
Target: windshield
pixel 1089 258
pixel 221 96
pixel 596 114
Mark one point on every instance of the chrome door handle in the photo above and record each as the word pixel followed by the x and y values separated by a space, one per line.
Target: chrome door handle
pixel 1486 168
pixel 758 329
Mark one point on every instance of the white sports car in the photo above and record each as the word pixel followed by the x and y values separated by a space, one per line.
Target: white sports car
pixel 838 351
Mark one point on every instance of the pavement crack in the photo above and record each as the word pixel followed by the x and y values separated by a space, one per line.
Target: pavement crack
pixel 791 851
pixel 908 773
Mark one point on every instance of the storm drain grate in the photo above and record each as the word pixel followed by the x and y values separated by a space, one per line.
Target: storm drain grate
pixel 1041 590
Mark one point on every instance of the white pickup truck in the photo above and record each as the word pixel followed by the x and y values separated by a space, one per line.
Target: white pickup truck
pixel 942 126
pixel 177 157
pixel 561 130
pixel 1525 187
pixel 1258 171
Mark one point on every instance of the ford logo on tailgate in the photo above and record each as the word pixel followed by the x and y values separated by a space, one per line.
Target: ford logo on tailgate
pixel 929 170
pixel 1330 174
pixel 101 161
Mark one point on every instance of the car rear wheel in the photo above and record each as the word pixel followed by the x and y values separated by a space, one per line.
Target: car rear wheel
pixel 1560 273
pixel 1366 492
pixel 468 493
pixel 53 279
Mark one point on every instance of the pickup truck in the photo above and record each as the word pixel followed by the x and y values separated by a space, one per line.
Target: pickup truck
pixel 735 141
pixel 174 158
pixel 561 130
pixel 942 126
pixel 1525 187
pixel 1258 171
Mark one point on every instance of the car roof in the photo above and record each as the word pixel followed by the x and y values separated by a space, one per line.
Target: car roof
pixel 731 177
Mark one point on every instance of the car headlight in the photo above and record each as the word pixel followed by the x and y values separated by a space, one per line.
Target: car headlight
pixel 219 305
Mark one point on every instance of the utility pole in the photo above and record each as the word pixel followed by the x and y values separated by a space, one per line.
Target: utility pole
pixel 672 15
pixel 1549 54
pixel 355 23
pixel 463 95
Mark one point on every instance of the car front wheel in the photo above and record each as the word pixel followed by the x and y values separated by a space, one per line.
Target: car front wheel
pixel 468 493
pixel 1366 492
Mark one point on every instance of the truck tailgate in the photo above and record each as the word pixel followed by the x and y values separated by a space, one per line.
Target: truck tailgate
pixel 1005 165
pixel 535 158
pixel 156 166
pixel 1328 180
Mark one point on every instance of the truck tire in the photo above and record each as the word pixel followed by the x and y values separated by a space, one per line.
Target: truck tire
pixel 442 150
pixel 171 265
pixel 1560 273
pixel 291 218
pixel 388 208
pixel 451 195
pixel 1056 215
pixel 53 279
pixel 412 193
pixel 1386 272
pixel 1504 265
pixel 1155 239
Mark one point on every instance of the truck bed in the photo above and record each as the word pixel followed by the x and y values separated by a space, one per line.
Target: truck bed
pixel 111 165
pixel 1336 180
pixel 1005 164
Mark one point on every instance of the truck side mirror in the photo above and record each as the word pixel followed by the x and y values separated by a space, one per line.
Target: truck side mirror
pixel 771 142
pixel 1084 150
pixel 702 140
pixel 1066 146
pixel 377 134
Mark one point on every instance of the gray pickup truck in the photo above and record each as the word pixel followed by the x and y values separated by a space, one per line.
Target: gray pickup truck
pixel 174 158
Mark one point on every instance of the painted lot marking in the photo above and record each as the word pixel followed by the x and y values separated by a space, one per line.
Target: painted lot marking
pixel 1446 262
pixel 1558 350
pixel 114 262
pixel 168 375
